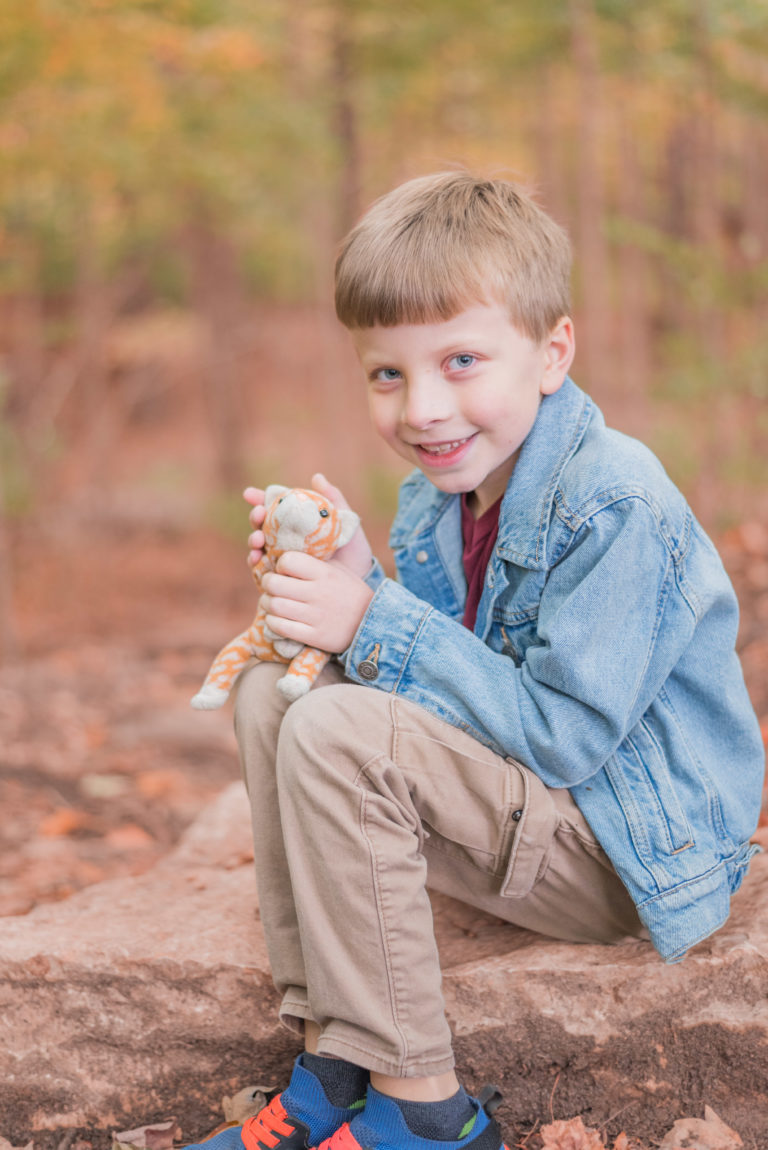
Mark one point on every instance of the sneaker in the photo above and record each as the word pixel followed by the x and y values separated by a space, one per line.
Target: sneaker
pixel 382 1126
pixel 296 1119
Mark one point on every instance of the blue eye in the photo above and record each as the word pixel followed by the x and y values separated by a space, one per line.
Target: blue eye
pixel 387 374
pixel 463 360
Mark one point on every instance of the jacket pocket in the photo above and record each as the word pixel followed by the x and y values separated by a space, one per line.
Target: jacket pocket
pixel 530 833
pixel 642 782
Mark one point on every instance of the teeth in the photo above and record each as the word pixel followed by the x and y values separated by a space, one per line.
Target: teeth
pixel 441 448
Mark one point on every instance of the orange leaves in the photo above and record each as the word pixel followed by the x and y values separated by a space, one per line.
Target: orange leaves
pixel 572 1134
pixel 159 1136
pixel 228 50
pixel 707 1133
pixel 63 821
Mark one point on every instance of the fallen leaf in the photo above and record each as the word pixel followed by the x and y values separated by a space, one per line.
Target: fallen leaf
pixel 246 1103
pixel 160 782
pixel 623 1142
pixel 6 1145
pixel 63 821
pixel 570 1134
pixel 129 837
pixel 707 1133
pixel 157 1136
pixel 104 786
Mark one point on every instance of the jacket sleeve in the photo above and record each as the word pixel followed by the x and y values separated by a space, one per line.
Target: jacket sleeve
pixel 612 623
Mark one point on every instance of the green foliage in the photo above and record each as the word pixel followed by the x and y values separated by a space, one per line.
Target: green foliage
pixel 130 127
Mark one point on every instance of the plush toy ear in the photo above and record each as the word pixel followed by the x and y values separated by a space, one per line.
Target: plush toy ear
pixel 273 492
pixel 350 521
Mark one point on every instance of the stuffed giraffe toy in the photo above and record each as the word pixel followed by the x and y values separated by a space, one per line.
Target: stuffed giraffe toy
pixel 296 520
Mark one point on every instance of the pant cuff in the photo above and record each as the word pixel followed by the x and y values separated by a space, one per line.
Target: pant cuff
pixel 381 1062
pixel 293 1014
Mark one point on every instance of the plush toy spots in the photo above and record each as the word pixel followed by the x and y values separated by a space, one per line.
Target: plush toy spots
pixel 296 520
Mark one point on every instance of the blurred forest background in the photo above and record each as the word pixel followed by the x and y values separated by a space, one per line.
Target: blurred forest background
pixel 174 177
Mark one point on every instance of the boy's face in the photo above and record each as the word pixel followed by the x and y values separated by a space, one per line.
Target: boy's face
pixel 457 398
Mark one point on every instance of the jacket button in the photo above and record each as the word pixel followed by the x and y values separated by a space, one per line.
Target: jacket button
pixel 369 667
pixel 516 816
pixel 421 556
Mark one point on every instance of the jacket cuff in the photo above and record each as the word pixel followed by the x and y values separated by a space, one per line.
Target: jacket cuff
pixel 375 576
pixel 385 638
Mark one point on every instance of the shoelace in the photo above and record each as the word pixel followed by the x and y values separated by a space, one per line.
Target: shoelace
pixel 267 1127
pixel 342 1139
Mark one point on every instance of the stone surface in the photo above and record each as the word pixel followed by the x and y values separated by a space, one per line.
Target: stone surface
pixel 143 998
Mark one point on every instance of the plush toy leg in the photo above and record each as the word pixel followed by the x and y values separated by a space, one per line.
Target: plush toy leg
pixel 302 672
pixel 209 698
pixel 225 669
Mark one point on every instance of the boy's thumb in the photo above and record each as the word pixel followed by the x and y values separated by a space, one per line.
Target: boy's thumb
pixel 321 484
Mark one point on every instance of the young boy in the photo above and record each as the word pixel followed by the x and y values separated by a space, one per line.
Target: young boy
pixel 544 716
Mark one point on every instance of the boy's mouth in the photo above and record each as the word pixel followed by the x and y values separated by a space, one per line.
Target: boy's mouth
pixel 444 453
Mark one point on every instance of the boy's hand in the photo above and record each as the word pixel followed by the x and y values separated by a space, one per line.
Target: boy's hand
pixel 315 601
pixel 356 555
pixel 255 496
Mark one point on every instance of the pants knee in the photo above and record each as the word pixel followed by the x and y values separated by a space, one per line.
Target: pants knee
pixel 314 735
pixel 258 702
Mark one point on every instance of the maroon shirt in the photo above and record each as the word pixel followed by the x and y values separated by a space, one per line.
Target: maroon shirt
pixel 479 536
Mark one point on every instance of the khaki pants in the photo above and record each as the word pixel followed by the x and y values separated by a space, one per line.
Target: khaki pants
pixel 360 800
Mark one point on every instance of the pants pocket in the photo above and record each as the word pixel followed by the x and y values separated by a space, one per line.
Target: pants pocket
pixel 530 835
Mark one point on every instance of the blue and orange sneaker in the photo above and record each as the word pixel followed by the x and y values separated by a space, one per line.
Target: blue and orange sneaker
pixel 298 1118
pixel 381 1125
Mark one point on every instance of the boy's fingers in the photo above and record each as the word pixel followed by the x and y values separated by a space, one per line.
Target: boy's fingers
pixel 254 495
pixel 321 484
pixel 287 628
pixel 300 565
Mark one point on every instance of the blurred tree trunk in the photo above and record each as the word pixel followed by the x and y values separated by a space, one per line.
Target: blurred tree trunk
pixel 634 283
pixel 754 165
pixel 705 182
pixel 345 127
pixel 93 317
pixel 593 259
pixel 676 301
pixel 9 638
pixel 27 358
pixel 218 297
pixel 708 324
pixel 547 145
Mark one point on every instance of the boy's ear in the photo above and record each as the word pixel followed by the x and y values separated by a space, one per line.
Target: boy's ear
pixel 560 348
pixel 350 521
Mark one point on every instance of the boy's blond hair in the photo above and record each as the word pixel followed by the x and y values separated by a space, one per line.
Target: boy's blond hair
pixel 441 243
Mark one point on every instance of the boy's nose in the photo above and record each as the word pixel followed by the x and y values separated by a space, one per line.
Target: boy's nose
pixel 425 403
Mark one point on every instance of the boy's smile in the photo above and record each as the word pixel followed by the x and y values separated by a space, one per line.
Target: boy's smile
pixel 458 397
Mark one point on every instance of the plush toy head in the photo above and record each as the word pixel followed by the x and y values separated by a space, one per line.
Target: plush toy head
pixel 301 520
pixel 296 520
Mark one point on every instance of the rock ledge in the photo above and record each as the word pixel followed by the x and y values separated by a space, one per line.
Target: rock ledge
pixel 143 998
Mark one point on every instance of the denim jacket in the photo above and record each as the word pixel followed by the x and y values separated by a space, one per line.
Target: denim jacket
pixel 602 658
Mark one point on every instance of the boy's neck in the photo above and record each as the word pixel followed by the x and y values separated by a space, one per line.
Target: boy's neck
pixel 476 506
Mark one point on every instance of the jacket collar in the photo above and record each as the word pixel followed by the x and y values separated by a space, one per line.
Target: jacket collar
pixel 527 505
